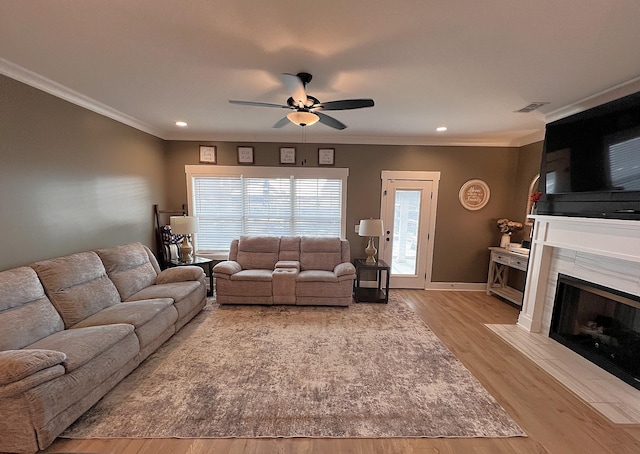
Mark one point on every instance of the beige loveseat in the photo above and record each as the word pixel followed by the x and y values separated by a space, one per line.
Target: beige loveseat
pixel 72 327
pixel 286 270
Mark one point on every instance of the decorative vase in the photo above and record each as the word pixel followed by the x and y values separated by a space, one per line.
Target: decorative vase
pixel 534 208
pixel 505 240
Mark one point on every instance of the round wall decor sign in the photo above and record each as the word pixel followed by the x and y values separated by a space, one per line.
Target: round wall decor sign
pixel 474 194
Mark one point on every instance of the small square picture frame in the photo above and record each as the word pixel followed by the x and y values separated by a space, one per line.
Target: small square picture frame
pixel 326 156
pixel 208 154
pixel 287 155
pixel 245 155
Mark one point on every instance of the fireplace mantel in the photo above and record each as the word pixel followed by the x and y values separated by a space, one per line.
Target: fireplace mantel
pixel 606 251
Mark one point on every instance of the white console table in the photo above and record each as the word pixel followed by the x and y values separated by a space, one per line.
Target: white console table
pixel 497 282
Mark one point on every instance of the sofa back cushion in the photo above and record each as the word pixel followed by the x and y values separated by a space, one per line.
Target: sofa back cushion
pixel 26 314
pixel 289 249
pixel 131 267
pixel 318 253
pixel 77 285
pixel 258 252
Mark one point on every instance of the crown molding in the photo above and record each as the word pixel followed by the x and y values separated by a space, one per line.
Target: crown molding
pixel 611 94
pixel 35 80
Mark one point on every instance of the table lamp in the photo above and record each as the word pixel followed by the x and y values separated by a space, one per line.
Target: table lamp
pixel 185 225
pixel 371 228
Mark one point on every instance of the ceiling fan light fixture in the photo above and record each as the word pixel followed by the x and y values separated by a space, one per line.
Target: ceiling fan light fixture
pixel 302 118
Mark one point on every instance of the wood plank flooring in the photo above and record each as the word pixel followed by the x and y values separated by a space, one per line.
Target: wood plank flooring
pixel 555 420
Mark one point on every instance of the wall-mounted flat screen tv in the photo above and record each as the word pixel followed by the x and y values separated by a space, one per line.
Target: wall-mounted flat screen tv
pixel 591 162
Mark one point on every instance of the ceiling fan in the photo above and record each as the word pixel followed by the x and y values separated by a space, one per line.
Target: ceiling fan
pixel 306 109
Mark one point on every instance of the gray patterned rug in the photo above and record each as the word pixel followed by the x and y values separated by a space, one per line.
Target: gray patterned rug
pixel 370 370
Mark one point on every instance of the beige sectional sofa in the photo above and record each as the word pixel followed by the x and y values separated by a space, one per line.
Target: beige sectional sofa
pixel 286 270
pixel 72 327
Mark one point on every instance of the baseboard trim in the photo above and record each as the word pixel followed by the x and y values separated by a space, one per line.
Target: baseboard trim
pixel 457 286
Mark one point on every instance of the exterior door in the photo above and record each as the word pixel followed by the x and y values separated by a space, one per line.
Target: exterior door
pixel 408 214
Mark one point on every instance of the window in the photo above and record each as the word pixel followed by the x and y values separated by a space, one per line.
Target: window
pixel 233 201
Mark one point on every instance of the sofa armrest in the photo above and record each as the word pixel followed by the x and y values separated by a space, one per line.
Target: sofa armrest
pixel 18 364
pixel 180 274
pixel 226 269
pixel 345 269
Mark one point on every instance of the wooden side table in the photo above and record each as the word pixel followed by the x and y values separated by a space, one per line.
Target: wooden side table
pixel 204 263
pixel 371 294
pixel 497 281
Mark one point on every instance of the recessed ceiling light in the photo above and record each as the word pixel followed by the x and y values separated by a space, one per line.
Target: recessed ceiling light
pixel 441 129
pixel 182 124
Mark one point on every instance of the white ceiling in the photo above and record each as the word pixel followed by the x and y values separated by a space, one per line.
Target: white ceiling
pixel 466 64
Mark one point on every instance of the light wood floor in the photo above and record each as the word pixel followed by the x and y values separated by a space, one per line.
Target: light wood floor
pixel 555 420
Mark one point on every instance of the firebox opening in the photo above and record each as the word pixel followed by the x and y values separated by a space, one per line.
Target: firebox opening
pixel 599 323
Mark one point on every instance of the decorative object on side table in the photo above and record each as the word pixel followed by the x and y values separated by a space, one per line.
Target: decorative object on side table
pixel 371 228
pixel 506 228
pixel 535 197
pixel 185 225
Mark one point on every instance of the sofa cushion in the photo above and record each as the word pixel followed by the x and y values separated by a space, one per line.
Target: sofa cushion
pixel 258 252
pixel 136 313
pixel 253 275
pixel 176 290
pixel 81 345
pixel 317 253
pixel 317 276
pixel 77 285
pixel 289 248
pixel 18 364
pixel 26 314
pixel 129 267
pixel 151 318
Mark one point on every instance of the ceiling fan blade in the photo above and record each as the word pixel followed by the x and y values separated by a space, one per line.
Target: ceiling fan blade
pixel 330 121
pixel 345 104
pixel 284 121
pixel 259 104
pixel 295 87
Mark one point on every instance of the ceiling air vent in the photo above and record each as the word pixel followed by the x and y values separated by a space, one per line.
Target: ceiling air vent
pixel 532 106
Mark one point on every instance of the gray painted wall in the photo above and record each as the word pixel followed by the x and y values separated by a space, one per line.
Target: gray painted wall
pixel 71 180
pixel 462 236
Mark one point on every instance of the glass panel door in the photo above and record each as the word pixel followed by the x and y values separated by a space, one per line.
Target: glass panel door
pixel 405 231
pixel 405 215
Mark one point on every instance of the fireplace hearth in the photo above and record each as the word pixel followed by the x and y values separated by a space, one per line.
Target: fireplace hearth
pixel 599 323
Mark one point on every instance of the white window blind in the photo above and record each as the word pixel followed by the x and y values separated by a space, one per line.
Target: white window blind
pixel 232 201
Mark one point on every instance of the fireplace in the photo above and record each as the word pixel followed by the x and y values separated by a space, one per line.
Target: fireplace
pixel 599 323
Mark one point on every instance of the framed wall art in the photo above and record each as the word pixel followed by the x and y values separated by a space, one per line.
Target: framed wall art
pixel 208 154
pixel 245 155
pixel 474 195
pixel 287 155
pixel 326 156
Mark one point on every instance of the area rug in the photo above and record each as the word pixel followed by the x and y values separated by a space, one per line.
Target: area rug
pixel 369 370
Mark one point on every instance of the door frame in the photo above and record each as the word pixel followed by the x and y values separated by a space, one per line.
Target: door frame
pixel 410 175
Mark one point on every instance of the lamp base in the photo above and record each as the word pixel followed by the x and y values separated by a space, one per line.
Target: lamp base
pixel 371 252
pixel 186 250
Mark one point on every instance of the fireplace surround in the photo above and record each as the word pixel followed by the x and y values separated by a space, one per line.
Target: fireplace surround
pixel 605 252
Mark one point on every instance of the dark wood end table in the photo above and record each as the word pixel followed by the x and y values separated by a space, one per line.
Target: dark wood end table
pixel 371 294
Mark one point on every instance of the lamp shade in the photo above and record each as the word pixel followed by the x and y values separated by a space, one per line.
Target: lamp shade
pixel 371 227
pixel 184 224
pixel 302 118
